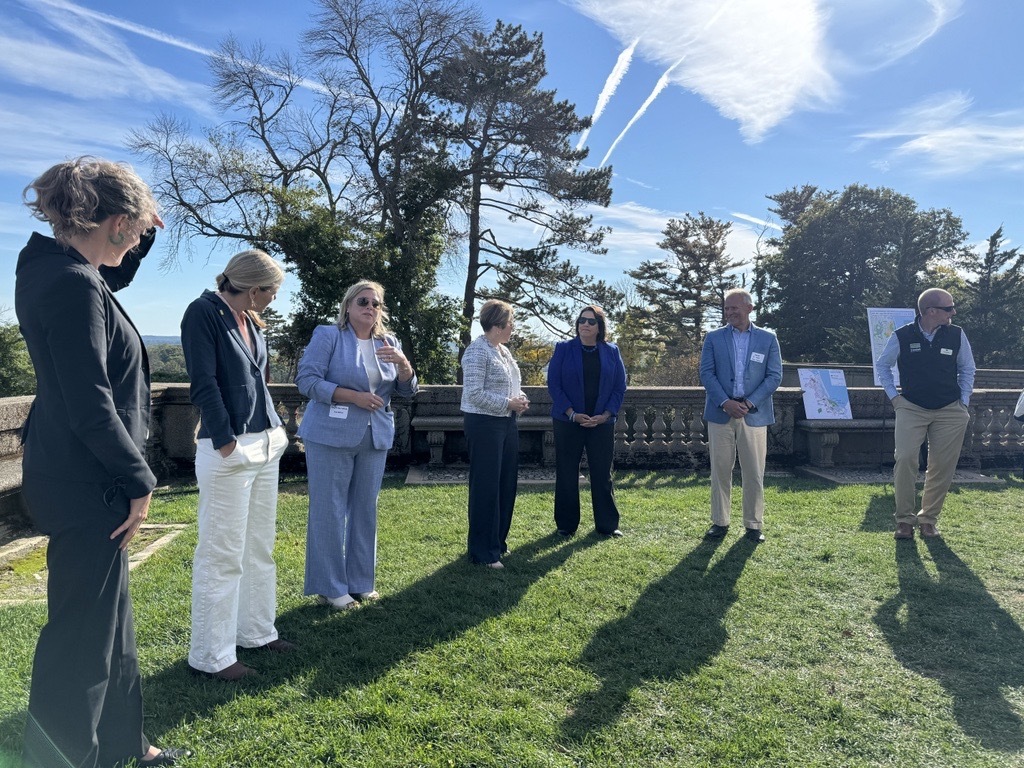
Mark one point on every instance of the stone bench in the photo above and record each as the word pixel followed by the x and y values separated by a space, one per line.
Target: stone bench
pixel 862 442
pixel 438 427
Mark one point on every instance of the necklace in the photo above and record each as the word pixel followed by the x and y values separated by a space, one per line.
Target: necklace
pixel 589 349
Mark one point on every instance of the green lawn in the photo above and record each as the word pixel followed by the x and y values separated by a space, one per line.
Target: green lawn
pixel 830 645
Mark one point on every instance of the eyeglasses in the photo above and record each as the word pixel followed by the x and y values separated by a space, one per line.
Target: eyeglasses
pixel 362 301
pixel 587 321
pixel 950 308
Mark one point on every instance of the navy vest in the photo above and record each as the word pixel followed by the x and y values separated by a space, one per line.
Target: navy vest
pixel 928 369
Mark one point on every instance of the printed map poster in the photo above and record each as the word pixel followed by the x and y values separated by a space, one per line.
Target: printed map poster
pixel 882 323
pixel 825 393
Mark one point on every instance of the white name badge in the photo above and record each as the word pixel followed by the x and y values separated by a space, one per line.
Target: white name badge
pixel 339 411
pixel 945 351
pixel 757 357
pixel 915 346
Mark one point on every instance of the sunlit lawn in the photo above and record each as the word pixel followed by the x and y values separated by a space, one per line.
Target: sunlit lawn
pixel 830 645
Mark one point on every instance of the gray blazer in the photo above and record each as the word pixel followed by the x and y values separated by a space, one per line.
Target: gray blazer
pixel 333 360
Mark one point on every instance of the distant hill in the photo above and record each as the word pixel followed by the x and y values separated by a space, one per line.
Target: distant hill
pixel 149 341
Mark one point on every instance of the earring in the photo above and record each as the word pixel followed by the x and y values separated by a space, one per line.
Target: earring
pixel 252 301
pixel 119 241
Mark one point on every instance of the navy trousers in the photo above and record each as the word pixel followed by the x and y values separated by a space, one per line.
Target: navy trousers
pixel 570 442
pixel 493 478
pixel 85 700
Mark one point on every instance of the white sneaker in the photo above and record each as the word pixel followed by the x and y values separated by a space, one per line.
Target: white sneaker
pixel 343 603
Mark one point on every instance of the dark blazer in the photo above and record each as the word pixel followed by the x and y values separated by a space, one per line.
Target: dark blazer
pixel 90 417
pixel 565 379
pixel 333 360
pixel 228 382
pixel 763 374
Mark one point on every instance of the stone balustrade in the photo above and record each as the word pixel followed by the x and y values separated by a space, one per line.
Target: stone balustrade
pixel 658 427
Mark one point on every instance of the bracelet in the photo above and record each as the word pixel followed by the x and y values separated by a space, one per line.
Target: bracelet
pixel 572 415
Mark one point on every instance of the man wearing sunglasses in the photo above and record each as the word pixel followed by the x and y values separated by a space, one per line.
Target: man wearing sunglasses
pixel 936 379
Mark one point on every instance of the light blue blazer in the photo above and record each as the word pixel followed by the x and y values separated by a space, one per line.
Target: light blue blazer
pixel 333 360
pixel 718 372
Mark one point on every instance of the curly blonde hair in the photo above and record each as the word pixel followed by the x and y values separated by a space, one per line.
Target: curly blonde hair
pixel 76 196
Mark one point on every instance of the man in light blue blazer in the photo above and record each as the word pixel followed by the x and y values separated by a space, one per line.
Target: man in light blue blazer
pixel 740 368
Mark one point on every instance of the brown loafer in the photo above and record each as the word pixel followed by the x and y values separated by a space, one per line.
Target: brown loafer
pixel 929 531
pixel 904 531
pixel 278 646
pixel 231 674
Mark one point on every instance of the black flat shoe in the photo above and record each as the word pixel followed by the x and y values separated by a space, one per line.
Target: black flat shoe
pixel 717 532
pixel 168 756
pixel 754 535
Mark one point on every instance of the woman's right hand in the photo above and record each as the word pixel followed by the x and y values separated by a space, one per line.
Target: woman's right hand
pixel 519 404
pixel 369 401
pixel 227 449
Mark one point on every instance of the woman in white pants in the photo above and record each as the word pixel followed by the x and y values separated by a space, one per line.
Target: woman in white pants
pixel 240 443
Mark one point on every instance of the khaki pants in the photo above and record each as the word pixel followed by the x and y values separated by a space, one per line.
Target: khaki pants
pixel 725 442
pixel 944 429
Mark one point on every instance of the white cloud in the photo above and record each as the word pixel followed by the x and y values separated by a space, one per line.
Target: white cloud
pixel 755 63
pixel 944 132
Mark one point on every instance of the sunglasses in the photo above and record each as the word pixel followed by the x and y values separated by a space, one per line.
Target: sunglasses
pixel 950 308
pixel 587 321
pixel 362 301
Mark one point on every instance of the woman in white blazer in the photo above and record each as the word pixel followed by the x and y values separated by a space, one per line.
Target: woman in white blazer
pixel 349 372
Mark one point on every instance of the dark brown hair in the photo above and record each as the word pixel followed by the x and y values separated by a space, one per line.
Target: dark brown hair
pixel 602 323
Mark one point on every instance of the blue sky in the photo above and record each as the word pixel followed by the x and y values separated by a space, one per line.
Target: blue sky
pixel 700 105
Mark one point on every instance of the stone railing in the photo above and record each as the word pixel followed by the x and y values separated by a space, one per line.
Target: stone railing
pixel 657 427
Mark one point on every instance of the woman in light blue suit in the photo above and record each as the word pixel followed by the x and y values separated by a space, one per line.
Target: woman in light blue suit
pixel 349 372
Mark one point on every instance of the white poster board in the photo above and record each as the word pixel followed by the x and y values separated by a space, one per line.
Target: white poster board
pixel 825 393
pixel 882 323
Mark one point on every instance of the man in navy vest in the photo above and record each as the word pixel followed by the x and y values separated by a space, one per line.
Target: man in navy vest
pixel 936 378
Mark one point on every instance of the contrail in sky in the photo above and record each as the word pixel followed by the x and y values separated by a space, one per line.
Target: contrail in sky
pixel 662 83
pixel 154 34
pixel 614 78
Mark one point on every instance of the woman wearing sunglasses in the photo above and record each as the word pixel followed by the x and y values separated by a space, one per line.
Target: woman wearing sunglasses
pixel 349 372
pixel 587 382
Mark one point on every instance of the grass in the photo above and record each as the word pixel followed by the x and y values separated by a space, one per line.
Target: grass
pixel 830 645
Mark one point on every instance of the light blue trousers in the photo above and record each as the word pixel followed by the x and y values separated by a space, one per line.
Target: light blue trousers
pixel 341 542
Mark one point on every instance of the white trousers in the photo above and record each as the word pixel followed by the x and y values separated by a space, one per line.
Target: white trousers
pixel 234 577
pixel 725 442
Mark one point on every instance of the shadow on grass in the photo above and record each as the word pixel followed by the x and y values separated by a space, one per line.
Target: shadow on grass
pixel 674 628
pixel 344 650
pixel 950 629
pixel 880 514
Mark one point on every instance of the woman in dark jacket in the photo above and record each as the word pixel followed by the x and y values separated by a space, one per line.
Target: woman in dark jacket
pixel 587 382
pixel 85 477
pixel 240 442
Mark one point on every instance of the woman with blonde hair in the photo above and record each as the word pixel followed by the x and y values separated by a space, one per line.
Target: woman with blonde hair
pixel 349 372
pixel 492 402
pixel 85 477
pixel 238 448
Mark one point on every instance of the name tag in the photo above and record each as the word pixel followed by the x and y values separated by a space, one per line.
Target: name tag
pixel 339 411
pixel 915 346
pixel 944 351
pixel 757 357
